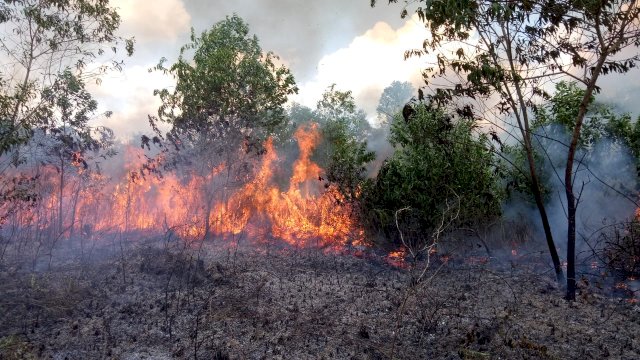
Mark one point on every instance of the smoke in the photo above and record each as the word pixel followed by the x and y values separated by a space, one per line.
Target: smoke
pixel 369 63
pixel 301 32
pixel 157 21
pixel 605 183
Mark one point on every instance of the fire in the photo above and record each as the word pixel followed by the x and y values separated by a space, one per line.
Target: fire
pixel 398 258
pixel 304 215
pixel 621 286
pixel 198 205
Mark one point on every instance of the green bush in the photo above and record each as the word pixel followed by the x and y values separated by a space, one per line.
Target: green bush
pixel 437 161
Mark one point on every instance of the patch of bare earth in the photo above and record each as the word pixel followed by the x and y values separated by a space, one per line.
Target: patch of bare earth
pixel 158 303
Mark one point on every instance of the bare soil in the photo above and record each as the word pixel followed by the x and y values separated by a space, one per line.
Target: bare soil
pixel 158 302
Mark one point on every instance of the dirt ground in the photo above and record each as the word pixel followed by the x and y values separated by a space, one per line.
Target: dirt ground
pixel 163 302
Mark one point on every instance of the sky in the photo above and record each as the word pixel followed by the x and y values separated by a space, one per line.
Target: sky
pixel 333 41
pixel 345 42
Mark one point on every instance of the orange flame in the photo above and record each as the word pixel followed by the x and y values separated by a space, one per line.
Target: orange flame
pixel 305 215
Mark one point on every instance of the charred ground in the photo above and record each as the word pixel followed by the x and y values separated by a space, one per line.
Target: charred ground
pixel 159 301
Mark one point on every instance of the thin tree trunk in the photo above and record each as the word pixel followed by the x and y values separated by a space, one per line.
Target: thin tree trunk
pixel 60 196
pixel 520 108
pixel 74 210
pixel 572 206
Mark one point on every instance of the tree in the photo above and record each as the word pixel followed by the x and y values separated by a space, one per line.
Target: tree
pixel 48 52
pixel 68 140
pixel 605 139
pixel 44 39
pixel 228 85
pixel 393 98
pixel 343 151
pixel 340 106
pixel 229 97
pixel 510 50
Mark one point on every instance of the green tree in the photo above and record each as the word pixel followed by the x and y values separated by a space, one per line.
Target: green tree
pixel 393 98
pixel 43 39
pixel 340 106
pixel 553 121
pixel 49 49
pixel 600 121
pixel 510 50
pixel 227 85
pixel 228 98
pixel 343 151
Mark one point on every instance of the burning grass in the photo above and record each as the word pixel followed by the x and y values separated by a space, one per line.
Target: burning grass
pixel 215 202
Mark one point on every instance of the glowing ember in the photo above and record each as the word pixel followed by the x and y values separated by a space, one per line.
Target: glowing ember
pixel 397 258
pixel 621 286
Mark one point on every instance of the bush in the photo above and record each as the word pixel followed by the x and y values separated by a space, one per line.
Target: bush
pixel 437 160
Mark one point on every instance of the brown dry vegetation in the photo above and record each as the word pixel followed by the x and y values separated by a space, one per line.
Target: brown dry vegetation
pixel 162 303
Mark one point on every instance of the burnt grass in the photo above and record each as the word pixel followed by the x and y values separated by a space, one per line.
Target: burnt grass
pixel 161 302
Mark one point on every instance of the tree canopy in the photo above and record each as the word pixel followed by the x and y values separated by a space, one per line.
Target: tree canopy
pixel 48 39
pixel 226 88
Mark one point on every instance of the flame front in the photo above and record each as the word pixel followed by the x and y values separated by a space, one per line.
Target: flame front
pixel 198 205
pixel 304 215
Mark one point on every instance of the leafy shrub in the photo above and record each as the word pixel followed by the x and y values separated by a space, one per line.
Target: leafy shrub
pixel 437 160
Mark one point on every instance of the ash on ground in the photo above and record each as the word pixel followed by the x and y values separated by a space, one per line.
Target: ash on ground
pixel 155 302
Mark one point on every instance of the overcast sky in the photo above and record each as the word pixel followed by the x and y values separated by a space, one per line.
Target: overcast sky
pixel 323 42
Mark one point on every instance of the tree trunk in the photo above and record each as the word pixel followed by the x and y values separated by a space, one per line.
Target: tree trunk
pixel 61 195
pixel 572 206
pixel 535 188
pixel 523 124
pixel 207 219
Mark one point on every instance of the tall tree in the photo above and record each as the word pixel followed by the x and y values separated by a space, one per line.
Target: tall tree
pixel 510 50
pixel 229 97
